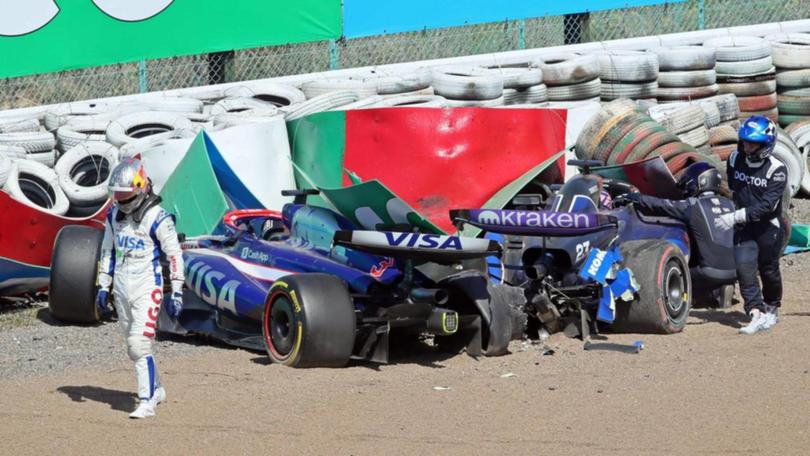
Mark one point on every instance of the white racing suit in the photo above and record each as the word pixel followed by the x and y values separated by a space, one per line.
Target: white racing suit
pixel 137 281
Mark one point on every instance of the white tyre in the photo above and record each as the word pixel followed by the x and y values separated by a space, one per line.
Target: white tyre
pixel 18 125
pixel 363 88
pixel 84 171
pixel 269 92
pixel 37 141
pixel 628 66
pixel 467 83
pixel 519 78
pixel 566 69
pixel 59 115
pixel 36 185
pixel 143 124
pixel 739 48
pixel 239 104
pixel 690 78
pixel 682 58
pixel 575 92
pixel 81 130
pixel 790 50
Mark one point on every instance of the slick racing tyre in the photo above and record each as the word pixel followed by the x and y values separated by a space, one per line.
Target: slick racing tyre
pixel 663 301
pixel 309 321
pixel 74 265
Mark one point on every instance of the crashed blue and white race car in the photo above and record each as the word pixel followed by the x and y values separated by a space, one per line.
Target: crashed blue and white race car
pixel 581 262
pixel 312 290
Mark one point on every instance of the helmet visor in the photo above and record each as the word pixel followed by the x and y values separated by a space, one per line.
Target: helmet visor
pixel 124 196
pixel 752 149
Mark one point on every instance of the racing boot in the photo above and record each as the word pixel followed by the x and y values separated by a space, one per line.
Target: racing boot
pixel 756 323
pixel 770 317
pixel 145 409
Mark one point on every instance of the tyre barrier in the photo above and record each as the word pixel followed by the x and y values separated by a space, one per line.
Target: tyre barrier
pixel 791 55
pixel 362 87
pixel 622 132
pixel 84 171
pixel 799 131
pixel 685 73
pixel 275 94
pixel 142 124
pixel 60 115
pixel 35 184
pixel 18 125
pixel 81 130
pixel 320 103
pixel 628 74
pixel 463 84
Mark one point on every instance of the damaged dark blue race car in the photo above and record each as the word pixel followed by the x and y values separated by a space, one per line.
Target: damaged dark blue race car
pixel 312 291
pixel 581 262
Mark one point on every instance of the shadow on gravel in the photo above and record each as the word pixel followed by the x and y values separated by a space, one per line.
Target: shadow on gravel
pixel 733 319
pixel 404 352
pixel 44 315
pixel 117 400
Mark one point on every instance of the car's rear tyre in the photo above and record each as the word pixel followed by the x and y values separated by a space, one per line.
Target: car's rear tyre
pixel 663 302
pixel 309 321
pixel 74 265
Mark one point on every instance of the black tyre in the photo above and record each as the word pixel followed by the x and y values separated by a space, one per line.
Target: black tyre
pixel 309 321
pixel 74 266
pixel 507 319
pixel 662 304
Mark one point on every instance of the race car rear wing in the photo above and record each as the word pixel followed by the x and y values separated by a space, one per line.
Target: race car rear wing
pixel 533 223
pixel 417 246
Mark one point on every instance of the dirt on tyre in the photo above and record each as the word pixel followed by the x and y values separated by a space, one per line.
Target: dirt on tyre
pixel 309 321
pixel 663 302
pixel 74 266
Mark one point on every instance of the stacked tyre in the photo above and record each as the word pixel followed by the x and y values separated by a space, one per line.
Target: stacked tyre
pixel 628 74
pixel 523 85
pixel 469 86
pixel 685 73
pixel 687 121
pixel 800 133
pixel 791 55
pixel 622 133
pixel 745 69
pixel 572 77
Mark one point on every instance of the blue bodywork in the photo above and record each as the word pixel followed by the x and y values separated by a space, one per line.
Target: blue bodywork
pixel 228 277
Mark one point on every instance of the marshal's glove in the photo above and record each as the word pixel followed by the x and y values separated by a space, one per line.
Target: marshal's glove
pixel 626 199
pixel 728 220
pixel 102 303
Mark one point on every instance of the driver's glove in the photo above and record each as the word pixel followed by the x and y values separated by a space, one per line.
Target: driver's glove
pixel 626 199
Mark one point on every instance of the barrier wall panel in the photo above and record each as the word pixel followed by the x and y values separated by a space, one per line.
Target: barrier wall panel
pixel 372 17
pixel 38 37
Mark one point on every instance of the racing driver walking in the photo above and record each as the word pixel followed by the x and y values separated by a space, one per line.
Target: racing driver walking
pixel 137 231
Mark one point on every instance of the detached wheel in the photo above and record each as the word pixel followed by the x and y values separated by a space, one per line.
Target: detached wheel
pixel 74 266
pixel 309 321
pixel 664 300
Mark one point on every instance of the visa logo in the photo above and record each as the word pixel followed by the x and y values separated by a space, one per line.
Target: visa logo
pixel 129 243
pixel 211 285
pixel 423 241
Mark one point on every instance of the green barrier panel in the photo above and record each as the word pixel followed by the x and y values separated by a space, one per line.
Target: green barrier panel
pixel 192 192
pixel 43 36
pixel 317 144
pixel 800 236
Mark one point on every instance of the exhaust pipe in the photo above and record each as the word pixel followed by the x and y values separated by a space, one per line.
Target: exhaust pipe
pixel 435 296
